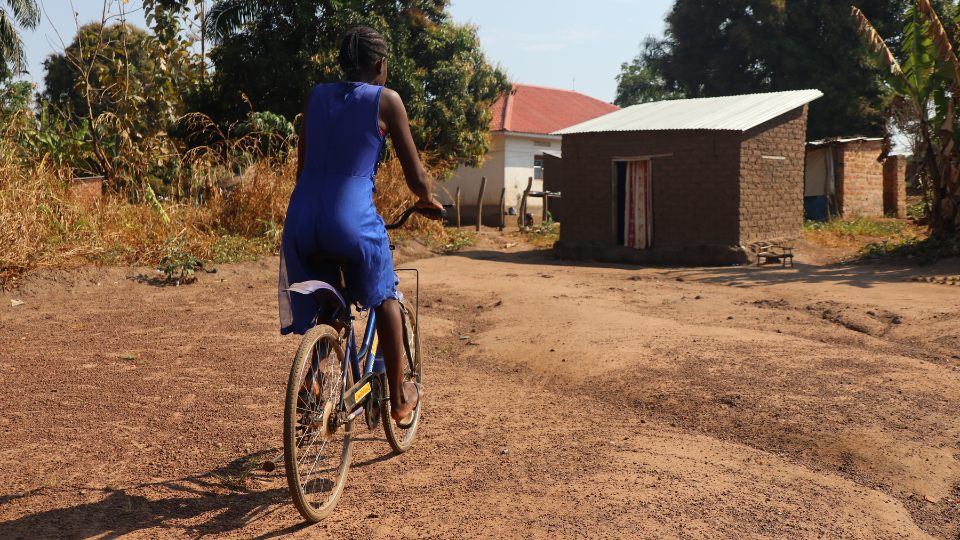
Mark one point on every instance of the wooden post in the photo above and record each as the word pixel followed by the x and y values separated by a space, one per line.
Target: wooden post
pixel 483 186
pixel 545 210
pixel 456 206
pixel 522 218
pixel 503 192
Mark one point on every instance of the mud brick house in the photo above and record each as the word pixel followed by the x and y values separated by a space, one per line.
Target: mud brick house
pixel 688 181
pixel 520 134
pixel 844 177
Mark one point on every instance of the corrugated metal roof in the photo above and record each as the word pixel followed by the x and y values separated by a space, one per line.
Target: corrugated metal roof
pixel 824 142
pixel 737 113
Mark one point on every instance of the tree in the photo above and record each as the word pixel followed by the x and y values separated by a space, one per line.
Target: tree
pixel 726 47
pixel 26 14
pixel 14 95
pixel 124 89
pixel 269 53
pixel 109 53
pixel 639 83
pixel 926 79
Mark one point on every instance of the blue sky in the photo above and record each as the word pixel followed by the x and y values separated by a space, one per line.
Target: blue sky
pixel 560 43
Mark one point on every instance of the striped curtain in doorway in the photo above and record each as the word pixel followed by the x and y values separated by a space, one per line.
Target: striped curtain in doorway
pixel 637 231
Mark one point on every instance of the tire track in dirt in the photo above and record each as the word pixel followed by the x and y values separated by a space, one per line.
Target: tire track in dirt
pixel 667 420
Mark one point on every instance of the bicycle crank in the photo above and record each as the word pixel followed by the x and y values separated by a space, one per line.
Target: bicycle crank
pixel 328 424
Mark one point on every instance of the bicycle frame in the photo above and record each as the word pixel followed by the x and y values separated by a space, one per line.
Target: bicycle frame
pixel 365 355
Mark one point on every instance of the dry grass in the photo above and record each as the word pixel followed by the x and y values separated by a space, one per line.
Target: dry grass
pixel 853 233
pixel 44 224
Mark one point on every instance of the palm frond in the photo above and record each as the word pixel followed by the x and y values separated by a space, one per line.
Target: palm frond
pixel 26 13
pixel 879 53
pixel 228 16
pixel 11 46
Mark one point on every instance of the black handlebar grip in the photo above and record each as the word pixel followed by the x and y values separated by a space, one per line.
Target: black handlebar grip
pixel 440 212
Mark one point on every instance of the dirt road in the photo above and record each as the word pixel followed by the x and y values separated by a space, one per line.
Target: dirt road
pixel 565 401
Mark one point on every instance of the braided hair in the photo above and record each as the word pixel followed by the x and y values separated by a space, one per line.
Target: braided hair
pixel 361 47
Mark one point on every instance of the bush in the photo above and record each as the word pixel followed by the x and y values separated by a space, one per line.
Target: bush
pixel 44 224
pixel 859 226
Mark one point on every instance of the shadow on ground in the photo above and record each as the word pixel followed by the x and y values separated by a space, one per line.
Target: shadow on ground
pixel 196 505
pixel 860 275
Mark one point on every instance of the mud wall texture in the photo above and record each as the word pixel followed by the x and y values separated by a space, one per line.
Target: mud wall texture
pixel 859 178
pixel 771 178
pixel 709 187
pixel 695 194
pixel 895 186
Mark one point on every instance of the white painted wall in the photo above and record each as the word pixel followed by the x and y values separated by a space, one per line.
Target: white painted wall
pixel 508 165
pixel 468 178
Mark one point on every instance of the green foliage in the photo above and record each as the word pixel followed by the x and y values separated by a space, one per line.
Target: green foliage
pixel 728 47
pixel 270 53
pixel 918 209
pixel 128 88
pixel 232 248
pixel 859 226
pixel 100 56
pixel 926 250
pixel 929 73
pixel 15 96
pixel 457 239
pixel 179 264
pixel 273 134
pixel 26 14
pixel 638 83
pixel 544 235
pixel 56 139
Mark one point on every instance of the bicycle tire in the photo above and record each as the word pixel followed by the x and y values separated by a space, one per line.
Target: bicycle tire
pixel 402 439
pixel 316 457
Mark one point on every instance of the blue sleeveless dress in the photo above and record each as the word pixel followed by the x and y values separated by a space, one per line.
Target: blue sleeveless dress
pixel 331 208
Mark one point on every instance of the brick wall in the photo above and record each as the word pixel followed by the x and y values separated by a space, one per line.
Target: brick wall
pixel 87 190
pixel 859 178
pixel 695 190
pixel 771 178
pixel 895 186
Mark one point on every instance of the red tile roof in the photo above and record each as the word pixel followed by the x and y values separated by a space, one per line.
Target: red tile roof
pixel 538 109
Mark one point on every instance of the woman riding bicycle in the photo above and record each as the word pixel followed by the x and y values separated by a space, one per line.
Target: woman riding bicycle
pixel 342 138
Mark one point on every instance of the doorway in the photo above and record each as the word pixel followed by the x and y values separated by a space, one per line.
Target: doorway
pixel 634 208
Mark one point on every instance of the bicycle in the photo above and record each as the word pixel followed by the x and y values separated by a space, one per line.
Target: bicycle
pixel 332 384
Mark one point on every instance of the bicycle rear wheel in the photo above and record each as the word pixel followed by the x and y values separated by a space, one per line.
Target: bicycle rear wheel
pixel 402 439
pixel 316 441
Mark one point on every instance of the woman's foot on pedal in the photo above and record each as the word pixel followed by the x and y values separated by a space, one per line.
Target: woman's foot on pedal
pixel 402 414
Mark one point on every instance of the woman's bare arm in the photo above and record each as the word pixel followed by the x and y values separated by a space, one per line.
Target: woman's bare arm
pixel 302 139
pixel 393 118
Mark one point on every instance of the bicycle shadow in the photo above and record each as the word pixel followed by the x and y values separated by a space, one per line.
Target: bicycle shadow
pixel 196 505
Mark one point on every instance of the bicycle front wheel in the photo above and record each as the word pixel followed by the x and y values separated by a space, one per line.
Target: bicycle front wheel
pixel 402 439
pixel 316 440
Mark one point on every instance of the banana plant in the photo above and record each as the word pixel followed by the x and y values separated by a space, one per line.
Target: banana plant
pixel 928 78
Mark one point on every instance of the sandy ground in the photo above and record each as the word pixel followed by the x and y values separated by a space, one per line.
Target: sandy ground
pixel 566 400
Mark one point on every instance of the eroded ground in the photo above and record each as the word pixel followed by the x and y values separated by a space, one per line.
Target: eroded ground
pixel 587 401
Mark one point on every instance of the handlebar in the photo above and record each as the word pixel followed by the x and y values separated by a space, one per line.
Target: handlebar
pixel 441 213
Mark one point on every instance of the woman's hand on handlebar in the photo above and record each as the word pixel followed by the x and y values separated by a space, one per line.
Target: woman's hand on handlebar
pixel 430 204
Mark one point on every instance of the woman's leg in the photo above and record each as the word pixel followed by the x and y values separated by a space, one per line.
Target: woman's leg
pixel 403 397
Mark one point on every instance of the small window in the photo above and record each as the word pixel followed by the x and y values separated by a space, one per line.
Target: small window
pixel 543 144
pixel 538 167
